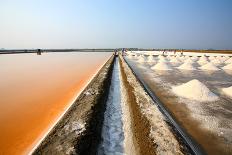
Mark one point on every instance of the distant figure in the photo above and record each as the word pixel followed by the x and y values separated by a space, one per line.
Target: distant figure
pixel 39 52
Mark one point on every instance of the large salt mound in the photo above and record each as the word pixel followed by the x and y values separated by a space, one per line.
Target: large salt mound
pixel 195 90
pixel 161 66
pixel 209 66
pixel 228 91
pixel 187 66
pixel 228 67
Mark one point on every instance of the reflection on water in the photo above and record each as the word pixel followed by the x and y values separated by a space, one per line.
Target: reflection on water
pixel 36 89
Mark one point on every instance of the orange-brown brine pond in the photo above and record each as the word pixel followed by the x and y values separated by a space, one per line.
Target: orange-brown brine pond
pixel 36 90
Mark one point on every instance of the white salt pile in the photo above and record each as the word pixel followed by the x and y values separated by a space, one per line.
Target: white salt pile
pixel 228 61
pixel 163 59
pixel 161 66
pixel 160 56
pixel 202 60
pixel 182 58
pixel 175 60
pixel 228 67
pixel 224 57
pixel 194 58
pixel 209 66
pixel 211 57
pixel 130 56
pixel 216 61
pixel 135 56
pixel 141 59
pixel 189 60
pixel 150 58
pixel 195 90
pixel 228 91
pixel 187 66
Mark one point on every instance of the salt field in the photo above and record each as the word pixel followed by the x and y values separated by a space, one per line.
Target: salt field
pixel 36 90
pixel 116 77
pixel 196 88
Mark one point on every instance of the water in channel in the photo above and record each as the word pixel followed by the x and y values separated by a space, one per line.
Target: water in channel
pixel 112 132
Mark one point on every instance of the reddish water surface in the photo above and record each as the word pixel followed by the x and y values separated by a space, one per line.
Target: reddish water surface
pixel 35 90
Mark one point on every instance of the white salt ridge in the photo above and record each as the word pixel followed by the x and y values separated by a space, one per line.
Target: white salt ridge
pixel 209 66
pixel 228 91
pixel 161 66
pixel 195 90
pixel 187 66
pixel 227 67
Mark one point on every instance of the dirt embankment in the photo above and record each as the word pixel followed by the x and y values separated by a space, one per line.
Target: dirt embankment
pixel 150 133
pixel 79 131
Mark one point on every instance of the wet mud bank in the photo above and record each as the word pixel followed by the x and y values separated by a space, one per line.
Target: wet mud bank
pixel 149 131
pixel 79 131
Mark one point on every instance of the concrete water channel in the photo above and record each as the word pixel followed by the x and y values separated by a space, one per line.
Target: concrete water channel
pixel 112 131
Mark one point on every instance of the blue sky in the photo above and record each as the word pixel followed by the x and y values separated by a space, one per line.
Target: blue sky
pixel 116 23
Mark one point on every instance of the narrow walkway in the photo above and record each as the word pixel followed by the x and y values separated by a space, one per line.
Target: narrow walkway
pixel 112 132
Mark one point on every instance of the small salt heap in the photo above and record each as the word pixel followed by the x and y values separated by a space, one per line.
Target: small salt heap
pixel 216 61
pixel 228 61
pixel 194 58
pixel 182 58
pixel 225 57
pixel 160 56
pixel 141 59
pixel 195 90
pixel 161 66
pixel 175 60
pixel 189 60
pixel 209 66
pixel 227 67
pixel 163 59
pixel 135 56
pixel 187 66
pixel 130 56
pixel 202 60
pixel 228 91
pixel 150 58
pixel 211 57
